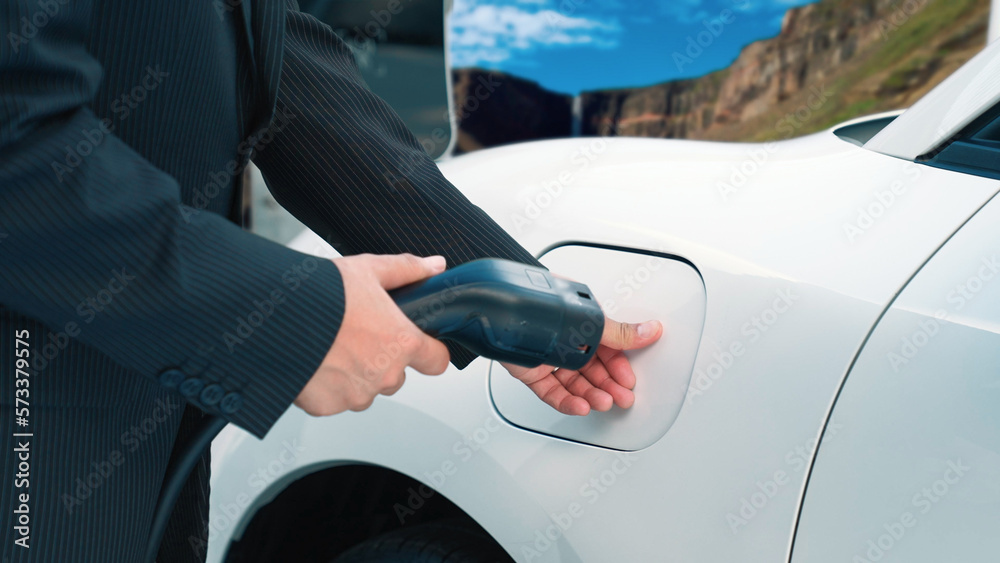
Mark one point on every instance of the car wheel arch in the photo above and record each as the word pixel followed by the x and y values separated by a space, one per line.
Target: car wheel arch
pixel 368 500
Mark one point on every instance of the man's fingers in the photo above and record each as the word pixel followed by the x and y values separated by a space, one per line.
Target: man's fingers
pixel 432 357
pixel 397 270
pixel 319 401
pixel 629 336
pixel 392 390
pixel 598 375
pixel 578 385
pixel 552 392
pixel 617 365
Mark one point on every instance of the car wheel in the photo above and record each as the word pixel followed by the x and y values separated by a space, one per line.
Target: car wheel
pixel 443 541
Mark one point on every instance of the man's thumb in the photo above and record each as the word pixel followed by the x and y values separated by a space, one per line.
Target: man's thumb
pixel 629 336
pixel 397 270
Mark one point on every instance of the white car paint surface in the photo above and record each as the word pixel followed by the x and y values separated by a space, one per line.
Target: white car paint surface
pixel 802 246
pixel 912 471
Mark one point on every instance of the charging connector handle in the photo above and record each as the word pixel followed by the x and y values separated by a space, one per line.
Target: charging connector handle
pixel 507 311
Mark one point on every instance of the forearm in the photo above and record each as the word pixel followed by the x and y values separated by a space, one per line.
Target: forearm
pixel 347 166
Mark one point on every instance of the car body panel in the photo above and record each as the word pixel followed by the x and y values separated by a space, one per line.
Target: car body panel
pixel 765 225
pixel 993 33
pixel 909 469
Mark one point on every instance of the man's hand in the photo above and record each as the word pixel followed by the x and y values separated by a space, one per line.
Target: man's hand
pixel 376 340
pixel 606 379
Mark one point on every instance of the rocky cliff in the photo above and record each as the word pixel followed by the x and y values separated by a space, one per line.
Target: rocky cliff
pixel 493 108
pixel 833 60
pixel 677 109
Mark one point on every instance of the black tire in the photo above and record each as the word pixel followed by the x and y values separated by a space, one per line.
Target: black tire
pixel 444 541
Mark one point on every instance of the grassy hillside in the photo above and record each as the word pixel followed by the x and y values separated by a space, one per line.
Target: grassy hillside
pixel 907 62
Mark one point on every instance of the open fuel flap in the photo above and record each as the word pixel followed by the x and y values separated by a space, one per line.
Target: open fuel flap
pixel 631 286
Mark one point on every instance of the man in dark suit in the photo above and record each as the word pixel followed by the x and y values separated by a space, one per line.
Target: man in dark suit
pixel 131 304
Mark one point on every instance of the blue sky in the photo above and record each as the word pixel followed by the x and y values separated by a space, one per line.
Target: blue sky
pixel 574 45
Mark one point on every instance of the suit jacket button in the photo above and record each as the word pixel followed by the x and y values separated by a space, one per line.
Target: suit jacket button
pixel 212 394
pixel 231 403
pixel 171 377
pixel 191 387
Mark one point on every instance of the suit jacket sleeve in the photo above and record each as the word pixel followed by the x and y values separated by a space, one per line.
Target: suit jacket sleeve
pixel 172 289
pixel 346 165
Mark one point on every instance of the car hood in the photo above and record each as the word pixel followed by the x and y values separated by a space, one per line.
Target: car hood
pixel 816 209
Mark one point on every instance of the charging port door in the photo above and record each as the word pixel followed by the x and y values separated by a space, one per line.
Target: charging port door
pixel 631 286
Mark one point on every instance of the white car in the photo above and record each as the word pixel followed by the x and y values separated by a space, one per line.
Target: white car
pixel 827 389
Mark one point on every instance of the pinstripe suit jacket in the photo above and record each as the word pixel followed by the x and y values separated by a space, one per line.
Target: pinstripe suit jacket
pixel 123 130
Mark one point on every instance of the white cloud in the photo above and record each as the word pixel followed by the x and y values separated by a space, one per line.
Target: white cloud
pixel 494 31
pixel 490 32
